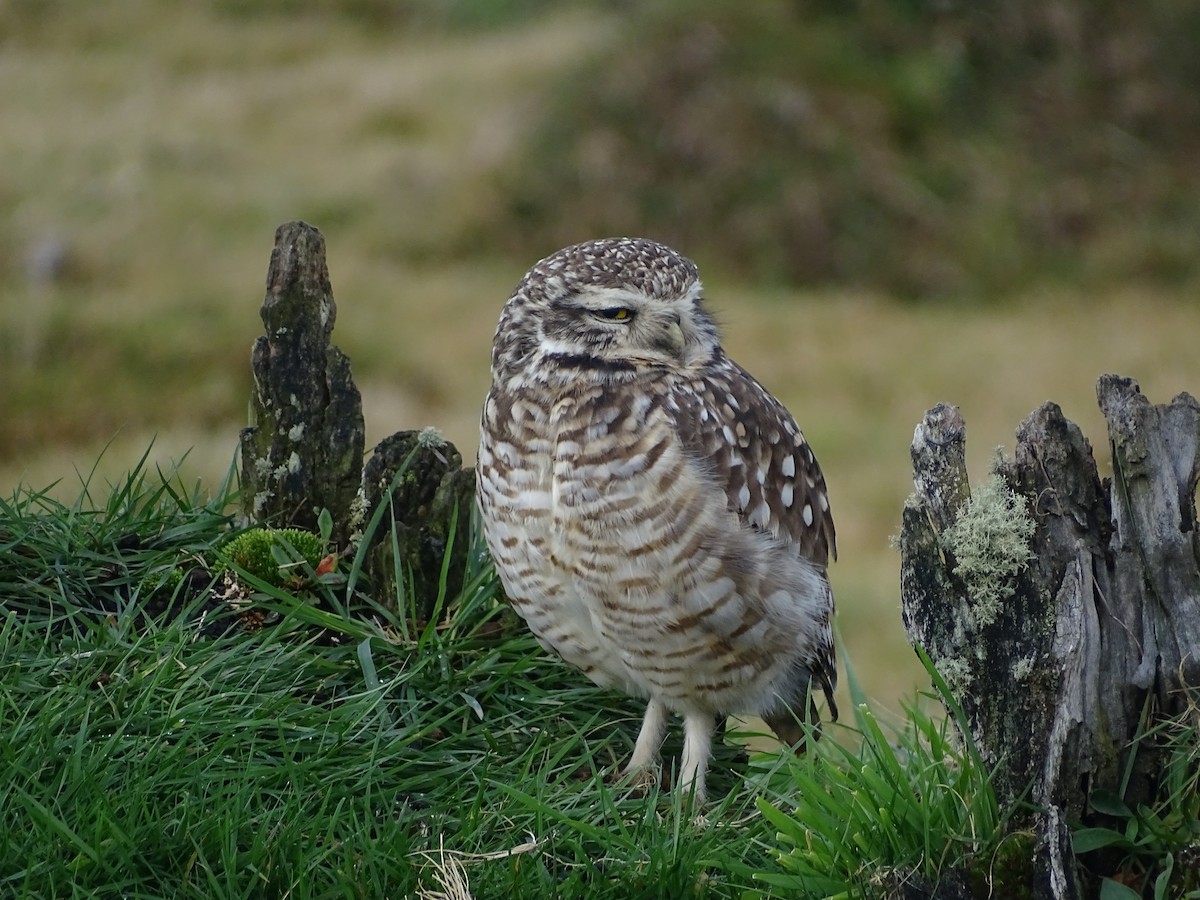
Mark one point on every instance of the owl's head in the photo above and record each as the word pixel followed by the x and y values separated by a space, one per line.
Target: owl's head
pixel 607 305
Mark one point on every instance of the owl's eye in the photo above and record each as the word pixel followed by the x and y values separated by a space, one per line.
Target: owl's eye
pixel 615 313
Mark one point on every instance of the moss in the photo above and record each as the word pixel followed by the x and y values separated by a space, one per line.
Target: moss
pixel 259 551
pixel 161 582
pixel 1009 872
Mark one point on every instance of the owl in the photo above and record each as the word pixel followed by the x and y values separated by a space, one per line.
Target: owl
pixel 654 514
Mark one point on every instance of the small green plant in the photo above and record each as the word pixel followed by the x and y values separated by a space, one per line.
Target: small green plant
pixel 165 580
pixel 915 805
pixel 1148 838
pixel 274 555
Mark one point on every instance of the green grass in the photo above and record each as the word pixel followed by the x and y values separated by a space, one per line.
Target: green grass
pixel 336 752
pixel 909 805
pixel 159 741
pixel 346 749
pixel 1147 843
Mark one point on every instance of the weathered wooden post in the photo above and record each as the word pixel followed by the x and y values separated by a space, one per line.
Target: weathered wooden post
pixel 303 450
pixel 1061 609
pixel 426 529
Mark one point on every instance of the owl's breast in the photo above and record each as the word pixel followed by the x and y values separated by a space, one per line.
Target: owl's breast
pixel 514 475
pixel 565 492
pixel 619 550
pixel 574 476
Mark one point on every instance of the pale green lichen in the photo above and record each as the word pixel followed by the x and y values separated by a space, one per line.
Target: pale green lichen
pixel 430 437
pixel 357 519
pixel 1022 668
pixel 261 500
pixel 957 674
pixel 990 545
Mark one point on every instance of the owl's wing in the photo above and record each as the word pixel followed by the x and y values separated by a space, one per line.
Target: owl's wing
pixel 753 446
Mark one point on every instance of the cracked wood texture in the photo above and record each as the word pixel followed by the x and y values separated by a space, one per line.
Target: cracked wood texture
pixel 303 450
pixel 1098 632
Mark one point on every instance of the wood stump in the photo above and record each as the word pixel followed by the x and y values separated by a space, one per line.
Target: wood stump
pixel 426 530
pixel 303 449
pixel 1075 617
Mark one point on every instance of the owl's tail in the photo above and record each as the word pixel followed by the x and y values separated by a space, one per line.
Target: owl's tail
pixel 794 723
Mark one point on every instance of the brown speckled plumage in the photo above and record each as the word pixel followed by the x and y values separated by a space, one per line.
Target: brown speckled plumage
pixel 655 515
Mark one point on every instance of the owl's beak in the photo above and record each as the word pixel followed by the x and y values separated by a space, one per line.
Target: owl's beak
pixel 672 339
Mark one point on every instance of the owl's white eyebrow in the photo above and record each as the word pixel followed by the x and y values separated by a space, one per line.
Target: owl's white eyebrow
pixel 598 298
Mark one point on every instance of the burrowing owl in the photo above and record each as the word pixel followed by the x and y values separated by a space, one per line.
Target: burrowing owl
pixel 655 516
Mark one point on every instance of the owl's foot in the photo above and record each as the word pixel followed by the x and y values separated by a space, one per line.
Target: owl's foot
pixel 650 738
pixel 642 772
pixel 697 748
pixel 638 781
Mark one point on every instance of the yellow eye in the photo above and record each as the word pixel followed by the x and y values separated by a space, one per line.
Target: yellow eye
pixel 616 313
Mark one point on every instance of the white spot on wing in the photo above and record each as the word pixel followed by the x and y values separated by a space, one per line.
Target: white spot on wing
pixel 808 514
pixel 743 497
pixel 786 496
pixel 788 467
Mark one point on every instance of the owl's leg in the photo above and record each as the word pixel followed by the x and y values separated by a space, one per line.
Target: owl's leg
pixel 697 747
pixel 650 738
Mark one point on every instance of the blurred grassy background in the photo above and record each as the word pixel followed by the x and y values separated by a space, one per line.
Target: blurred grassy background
pixel 894 204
